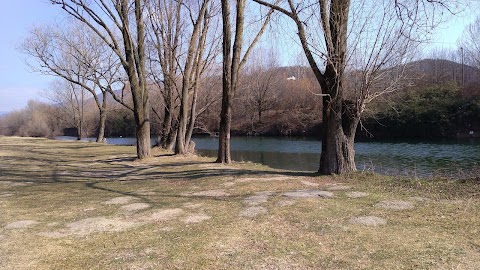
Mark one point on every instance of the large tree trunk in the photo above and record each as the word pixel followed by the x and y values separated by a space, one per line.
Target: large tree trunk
pixel 340 116
pixel 340 121
pixel 142 130
pixel 141 116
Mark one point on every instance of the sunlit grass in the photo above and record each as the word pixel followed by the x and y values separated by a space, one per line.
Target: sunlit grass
pixel 193 214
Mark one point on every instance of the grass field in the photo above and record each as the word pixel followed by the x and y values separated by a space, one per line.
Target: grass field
pixel 79 205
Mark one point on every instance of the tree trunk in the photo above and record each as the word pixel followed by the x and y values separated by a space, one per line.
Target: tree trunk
pixel 226 112
pixel 340 121
pixel 101 126
pixel 103 119
pixel 193 118
pixel 142 130
pixel 170 142
pixel 166 127
pixel 225 124
pixel 135 69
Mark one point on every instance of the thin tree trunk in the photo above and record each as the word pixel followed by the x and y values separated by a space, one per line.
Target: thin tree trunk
pixel 168 115
pixel 103 119
pixel 224 132
pixel 181 147
pixel 166 128
pixel 193 118
pixel 170 142
pixel 226 112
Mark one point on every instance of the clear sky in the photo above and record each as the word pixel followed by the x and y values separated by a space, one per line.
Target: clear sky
pixel 18 84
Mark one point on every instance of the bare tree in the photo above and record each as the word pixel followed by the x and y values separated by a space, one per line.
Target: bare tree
pixel 470 49
pixel 112 22
pixel 262 93
pixel 77 55
pixel 337 44
pixel 183 64
pixel 35 120
pixel 165 33
pixel 70 98
pixel 191 74
pixel 233 61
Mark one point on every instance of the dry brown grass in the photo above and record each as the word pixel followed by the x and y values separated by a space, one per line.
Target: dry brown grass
pixel 75 205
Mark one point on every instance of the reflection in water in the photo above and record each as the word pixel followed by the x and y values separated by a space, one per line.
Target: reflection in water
pixel 408 158
pixel 286 161
pixel 302 154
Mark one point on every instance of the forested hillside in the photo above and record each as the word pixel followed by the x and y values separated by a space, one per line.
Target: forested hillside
pixel 434 102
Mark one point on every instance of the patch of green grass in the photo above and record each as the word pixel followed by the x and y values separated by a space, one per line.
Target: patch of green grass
pixel 194 215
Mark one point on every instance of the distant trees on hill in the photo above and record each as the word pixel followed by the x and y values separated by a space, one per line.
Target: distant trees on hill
pixel 435 111
pixel 433 106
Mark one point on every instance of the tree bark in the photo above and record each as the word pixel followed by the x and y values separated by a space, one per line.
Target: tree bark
pixel 166 127
pixel 339 125
pixel 135 68
pixel 225 124
pixel 103 119
pixel 226 111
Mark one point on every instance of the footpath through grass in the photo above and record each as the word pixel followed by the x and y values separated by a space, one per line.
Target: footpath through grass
pixel 78 205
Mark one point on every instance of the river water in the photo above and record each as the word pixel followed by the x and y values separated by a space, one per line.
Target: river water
pixel 416 158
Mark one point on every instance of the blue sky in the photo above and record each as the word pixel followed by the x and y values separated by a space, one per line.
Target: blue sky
pixel 18 84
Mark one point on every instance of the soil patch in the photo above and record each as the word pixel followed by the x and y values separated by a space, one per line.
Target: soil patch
pixel 92 225
pixel 356 194
pixel 166 214
pixel 258 198
pixel 420 199
pixel 339 187
pixel 209 193
pixel 21 224
pixel 284 203
pixel 216 166
pixel 308 194
pixel 395 205
pixel 196 218
pixel 119 200
pixel 310 184
pixel 6 194
pixel 262 179
pixel 135 207
pixel 191 205
pixel 228 184
pixel 145 192
pixel 253 211
pixel 369 221
pixel 15 184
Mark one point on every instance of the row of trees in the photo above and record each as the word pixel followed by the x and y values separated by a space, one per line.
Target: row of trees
pixel 174 45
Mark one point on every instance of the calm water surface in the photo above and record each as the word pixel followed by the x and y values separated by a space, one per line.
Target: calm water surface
pixel 422 159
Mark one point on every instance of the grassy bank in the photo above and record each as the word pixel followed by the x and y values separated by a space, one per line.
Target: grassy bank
pixel 77 205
